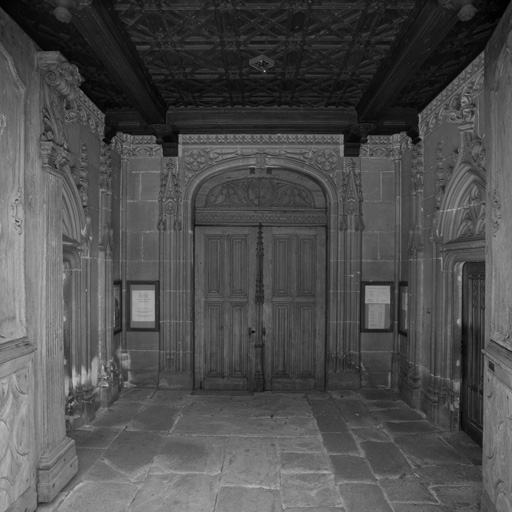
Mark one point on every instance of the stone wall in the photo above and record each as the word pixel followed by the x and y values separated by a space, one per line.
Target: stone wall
pixel 497 443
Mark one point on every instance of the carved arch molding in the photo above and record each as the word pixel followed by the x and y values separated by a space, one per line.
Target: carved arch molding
pixel 274 179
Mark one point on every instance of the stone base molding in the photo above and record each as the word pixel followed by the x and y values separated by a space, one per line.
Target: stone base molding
pixel 56 469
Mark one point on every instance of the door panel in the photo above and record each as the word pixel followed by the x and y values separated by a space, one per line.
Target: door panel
pixel 294 309
pixel 224 306
pixel 473 303
pixel 291 313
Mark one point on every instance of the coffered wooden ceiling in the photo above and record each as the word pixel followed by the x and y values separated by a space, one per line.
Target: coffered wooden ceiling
pixel 344 66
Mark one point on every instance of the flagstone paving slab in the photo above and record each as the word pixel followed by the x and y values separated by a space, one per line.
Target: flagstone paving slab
pixel 348 468
pixel 340 443
pixel 367 497
pixel 409 489
pixel 292 462
pixel 309 490
pixel 190 454
pixel 244 499
pixel 251 462
pixel 386 459
pixel 173 492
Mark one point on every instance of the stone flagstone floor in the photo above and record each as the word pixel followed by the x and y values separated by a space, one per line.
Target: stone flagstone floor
pixel 159 450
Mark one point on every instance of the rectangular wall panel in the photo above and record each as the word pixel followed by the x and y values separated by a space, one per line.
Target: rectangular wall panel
pixel 306 266
pixel 213 266
pixel 214 343
pixel 238 333
pixel 282 266
pixel 238 259
pixel 281 327
pixel 305 337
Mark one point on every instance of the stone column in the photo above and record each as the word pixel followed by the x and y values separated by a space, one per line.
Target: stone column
pixel 176 235
pixel 351 225
pixel 410 386
pixel 58 461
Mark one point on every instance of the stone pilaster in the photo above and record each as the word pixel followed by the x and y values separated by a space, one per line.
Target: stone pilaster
pixel 58 461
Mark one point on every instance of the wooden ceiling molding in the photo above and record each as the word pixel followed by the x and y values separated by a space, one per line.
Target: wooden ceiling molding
pixel 167 67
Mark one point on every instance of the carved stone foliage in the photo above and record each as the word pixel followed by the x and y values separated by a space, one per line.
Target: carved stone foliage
pixel 259 193
pixel 84 111
pixel 106 236
pixel 171 197
pixel 417 184
pixel 350 194
pixel 203 151
pixel 498 467
pixel 457 102
pixel 495 212
pixel 15 461
pixel 18 212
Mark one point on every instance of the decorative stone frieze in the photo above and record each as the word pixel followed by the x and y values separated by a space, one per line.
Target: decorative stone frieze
pixel 203 151
pixel 350 194
pixel 249 139
pixel 86 113
pixel 378 146
pixel 136 146
pixel 457 101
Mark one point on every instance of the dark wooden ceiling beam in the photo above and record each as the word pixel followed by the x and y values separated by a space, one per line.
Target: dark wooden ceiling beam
pixel 424 34
pixel 97 24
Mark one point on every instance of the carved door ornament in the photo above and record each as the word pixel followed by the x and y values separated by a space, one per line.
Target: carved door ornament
pixel 259 193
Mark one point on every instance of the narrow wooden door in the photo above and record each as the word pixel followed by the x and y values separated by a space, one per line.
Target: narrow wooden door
pixel 294 308
pixel 232 348
pixel 473 314
pixel 224 293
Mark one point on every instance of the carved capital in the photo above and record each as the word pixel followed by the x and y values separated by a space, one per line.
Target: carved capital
pixel 60 74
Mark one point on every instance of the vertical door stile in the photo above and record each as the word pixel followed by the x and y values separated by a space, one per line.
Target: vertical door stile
pixel 259 345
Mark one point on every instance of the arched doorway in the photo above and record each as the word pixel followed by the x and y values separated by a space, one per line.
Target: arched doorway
pixel 312 159
pixel 260 282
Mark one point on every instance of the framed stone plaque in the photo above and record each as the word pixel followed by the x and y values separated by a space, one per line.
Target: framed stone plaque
pixel 143 306
pixel 376 306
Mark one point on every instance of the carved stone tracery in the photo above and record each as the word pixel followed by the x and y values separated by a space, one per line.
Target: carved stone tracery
pixel 259 193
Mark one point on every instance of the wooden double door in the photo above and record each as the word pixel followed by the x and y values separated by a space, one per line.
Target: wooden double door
pixel 473 328
pixel 260 308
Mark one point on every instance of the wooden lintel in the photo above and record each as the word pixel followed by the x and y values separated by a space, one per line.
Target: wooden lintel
pixel 422 37
pixel 97 24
